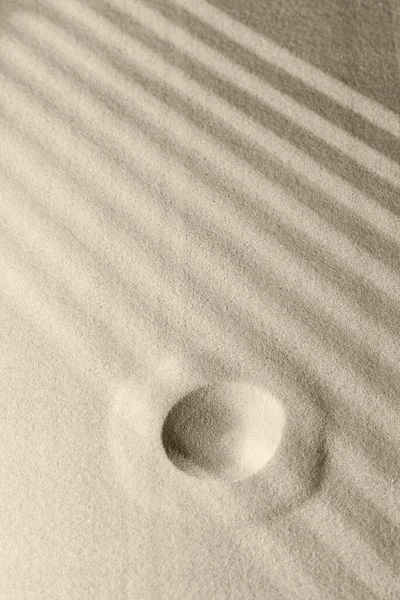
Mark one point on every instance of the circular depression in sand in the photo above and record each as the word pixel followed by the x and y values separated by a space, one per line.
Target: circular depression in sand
pixel 225 430
pixel 249 448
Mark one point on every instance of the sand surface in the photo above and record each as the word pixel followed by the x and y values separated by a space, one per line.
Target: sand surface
pixel 190 191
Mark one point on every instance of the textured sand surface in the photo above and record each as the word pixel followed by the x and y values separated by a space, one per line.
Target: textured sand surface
pixel 192 190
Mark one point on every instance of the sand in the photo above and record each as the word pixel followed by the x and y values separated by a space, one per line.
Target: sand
pixel 197 191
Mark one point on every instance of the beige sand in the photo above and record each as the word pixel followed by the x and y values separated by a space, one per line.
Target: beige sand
pixel 189 191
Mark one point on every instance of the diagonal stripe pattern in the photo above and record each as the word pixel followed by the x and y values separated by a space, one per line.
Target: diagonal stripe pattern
pixel 149 198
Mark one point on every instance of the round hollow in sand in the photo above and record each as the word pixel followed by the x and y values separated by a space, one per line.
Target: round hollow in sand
pixel 225 430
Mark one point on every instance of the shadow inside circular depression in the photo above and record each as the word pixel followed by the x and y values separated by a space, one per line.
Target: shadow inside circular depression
pixel 225 430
